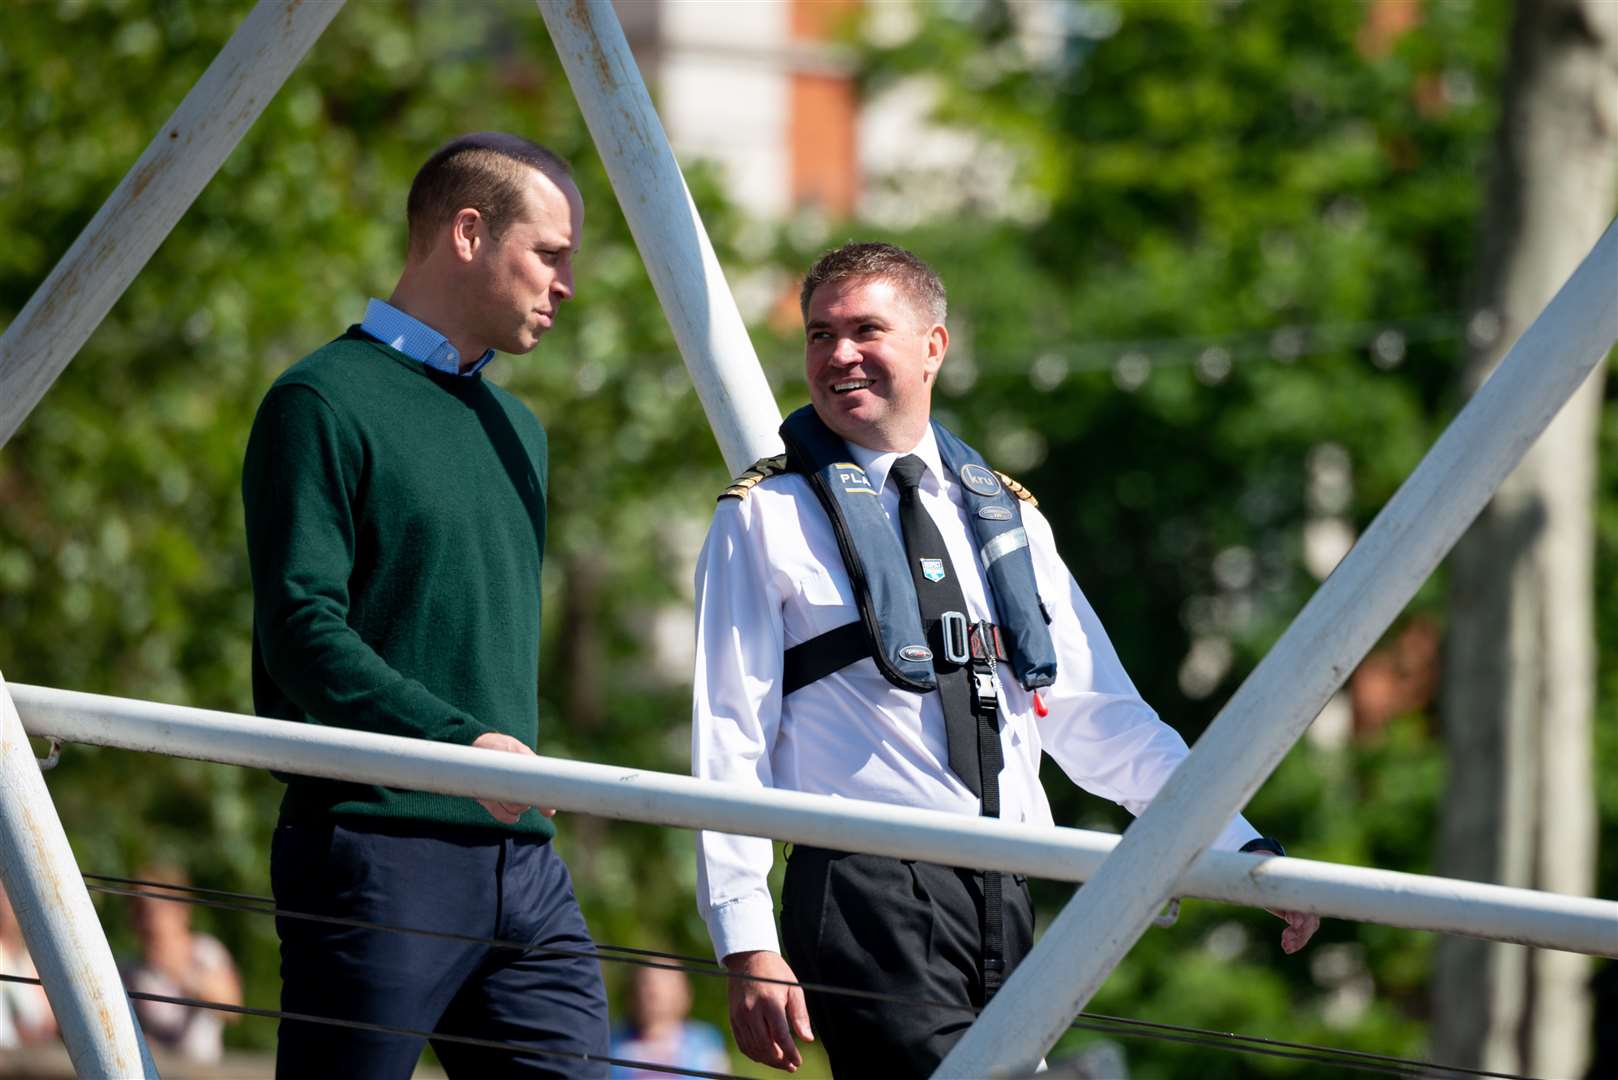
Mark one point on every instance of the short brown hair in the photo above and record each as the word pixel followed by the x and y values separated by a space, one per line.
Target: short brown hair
pixel 904 269
pixel 484 171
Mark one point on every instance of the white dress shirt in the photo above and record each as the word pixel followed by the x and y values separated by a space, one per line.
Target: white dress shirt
pixel 770 576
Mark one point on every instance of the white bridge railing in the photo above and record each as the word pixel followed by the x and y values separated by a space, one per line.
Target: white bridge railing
pixel 1541 919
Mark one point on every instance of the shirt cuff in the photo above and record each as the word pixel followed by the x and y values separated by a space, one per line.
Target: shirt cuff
pixel 744 925
pixel 1237 833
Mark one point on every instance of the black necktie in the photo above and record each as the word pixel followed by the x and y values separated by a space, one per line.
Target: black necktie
pixel 974 741
pixel 973 734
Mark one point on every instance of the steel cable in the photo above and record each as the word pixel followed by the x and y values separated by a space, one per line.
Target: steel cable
pixel 384 1029
pixel 1126 1027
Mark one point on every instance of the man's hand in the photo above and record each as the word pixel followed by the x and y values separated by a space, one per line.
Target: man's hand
pixel 765 1015
pixel 1301 925
pixel 506 813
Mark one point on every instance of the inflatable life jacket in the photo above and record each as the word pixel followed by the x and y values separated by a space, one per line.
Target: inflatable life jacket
pixel 889 629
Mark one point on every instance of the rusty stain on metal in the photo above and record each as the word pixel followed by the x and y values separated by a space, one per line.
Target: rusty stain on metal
pixel 139 179
pixel 579 12
pixel 105 1017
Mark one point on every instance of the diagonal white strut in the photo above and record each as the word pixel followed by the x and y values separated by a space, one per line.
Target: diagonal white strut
pixel 668 230
pixel 1291 685
pixel 57 919
pixel 178 163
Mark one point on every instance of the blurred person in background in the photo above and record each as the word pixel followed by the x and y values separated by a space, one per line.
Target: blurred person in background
pixel 25 1014
pixel 177 962
pixel 658 1031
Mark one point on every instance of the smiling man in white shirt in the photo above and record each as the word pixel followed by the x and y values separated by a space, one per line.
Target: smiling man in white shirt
pixel 923 647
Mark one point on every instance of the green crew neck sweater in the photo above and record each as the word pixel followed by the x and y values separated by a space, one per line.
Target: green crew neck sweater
pixel 395 529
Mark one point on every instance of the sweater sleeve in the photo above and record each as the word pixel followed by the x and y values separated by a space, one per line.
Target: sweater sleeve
pixel 300 478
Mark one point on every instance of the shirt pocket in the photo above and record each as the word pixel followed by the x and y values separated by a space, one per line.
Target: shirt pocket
pixel 819 602
pixel 816 587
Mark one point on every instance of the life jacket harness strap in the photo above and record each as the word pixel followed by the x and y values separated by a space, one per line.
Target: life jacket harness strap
pixel 812 660
pixel 879 573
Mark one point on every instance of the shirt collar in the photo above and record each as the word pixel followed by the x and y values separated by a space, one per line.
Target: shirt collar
pixel 416 339
pixel 878 463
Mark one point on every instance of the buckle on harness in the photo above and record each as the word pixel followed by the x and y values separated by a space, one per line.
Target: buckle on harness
pixel 957 648
pixel 985 639
pixel 985 684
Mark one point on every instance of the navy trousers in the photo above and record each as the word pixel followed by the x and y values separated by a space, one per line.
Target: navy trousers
pixel 410 874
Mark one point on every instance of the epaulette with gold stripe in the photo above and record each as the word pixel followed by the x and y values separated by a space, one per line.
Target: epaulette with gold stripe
pixel 1017 489
pixel 759 471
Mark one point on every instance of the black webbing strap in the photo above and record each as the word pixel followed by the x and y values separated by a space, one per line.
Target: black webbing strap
pixel 812 660
pixel 994 933
pixel 986 706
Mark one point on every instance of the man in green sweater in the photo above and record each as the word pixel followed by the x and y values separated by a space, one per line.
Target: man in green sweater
pixel 395 510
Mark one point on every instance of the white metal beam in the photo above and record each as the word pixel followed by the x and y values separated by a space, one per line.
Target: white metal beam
pixel 1291 685
pixel 57 919
pixel 668 230
pixel 1544 919
pixel 180 160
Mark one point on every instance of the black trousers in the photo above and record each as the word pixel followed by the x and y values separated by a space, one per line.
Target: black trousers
pixel 413 875
pixel 908 929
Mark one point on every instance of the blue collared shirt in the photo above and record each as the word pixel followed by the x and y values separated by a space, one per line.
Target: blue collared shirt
pixel 416 339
